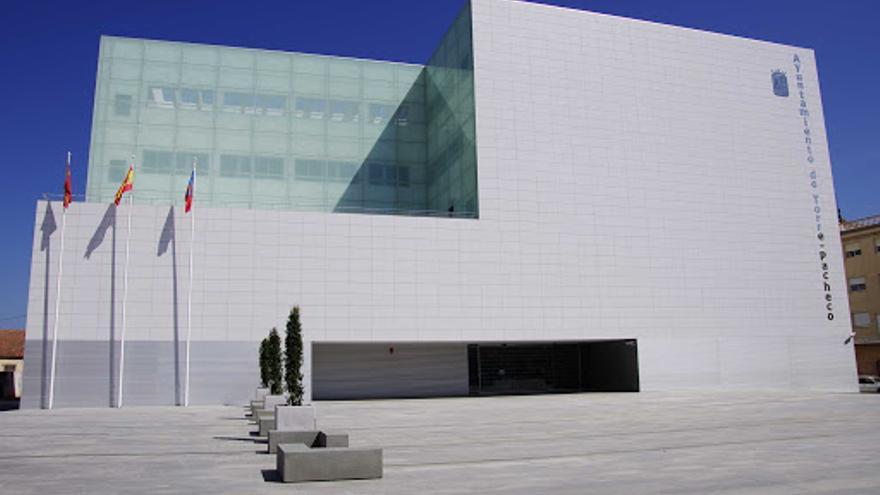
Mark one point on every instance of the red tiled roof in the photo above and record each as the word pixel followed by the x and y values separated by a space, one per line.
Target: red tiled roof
pixel 11 344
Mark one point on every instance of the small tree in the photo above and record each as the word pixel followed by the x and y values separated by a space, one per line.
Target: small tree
pixel 273 356
pixel 264 363
pixel 293 357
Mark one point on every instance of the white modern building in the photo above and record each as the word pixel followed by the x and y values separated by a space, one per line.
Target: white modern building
pixel 556 201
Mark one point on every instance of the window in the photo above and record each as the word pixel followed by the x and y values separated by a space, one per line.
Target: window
pixel 207 99
pixel 310 108
pixel 235 166
pixel 268 167
pixel 402 116
pixel 157 162
pixel 261 167
pixel 310 169
pixel 857 284
pixel 196 99
pixel 403 176
pixel 377 175
pixel 234 101
pixel 183 163
pixel 862 320
pixel 261 104
pixel 853 250
pixel 272 105
pixel 163 97
pixel 168 162
pixel 344 111
pixel 343 172
pixel 389 175
pixel 122 105
pixel 380 114
pixel 189 98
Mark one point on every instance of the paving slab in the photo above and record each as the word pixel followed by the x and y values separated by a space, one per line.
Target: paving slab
pixel 667 443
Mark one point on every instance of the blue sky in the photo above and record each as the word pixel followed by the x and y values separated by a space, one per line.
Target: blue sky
pixel 48 58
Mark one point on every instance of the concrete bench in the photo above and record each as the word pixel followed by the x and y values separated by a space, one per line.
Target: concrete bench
pixel 310 438
pixel 296 462
pixel 260 393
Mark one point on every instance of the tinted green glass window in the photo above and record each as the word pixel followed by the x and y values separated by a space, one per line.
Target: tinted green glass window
pixel 337 134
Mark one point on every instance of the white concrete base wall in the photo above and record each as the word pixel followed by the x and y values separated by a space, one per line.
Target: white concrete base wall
pixel 354 371
pixel 87 374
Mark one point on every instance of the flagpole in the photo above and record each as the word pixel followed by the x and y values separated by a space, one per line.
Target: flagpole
pixel 192 240
pixel 124 297
pixel 57 303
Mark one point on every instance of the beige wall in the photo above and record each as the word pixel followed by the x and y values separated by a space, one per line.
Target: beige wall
pixel 865 265
pixel 868 359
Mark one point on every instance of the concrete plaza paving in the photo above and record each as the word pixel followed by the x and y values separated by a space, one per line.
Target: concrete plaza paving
pixel 674 443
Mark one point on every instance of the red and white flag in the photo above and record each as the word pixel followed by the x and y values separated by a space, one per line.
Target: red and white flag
pixel 68 194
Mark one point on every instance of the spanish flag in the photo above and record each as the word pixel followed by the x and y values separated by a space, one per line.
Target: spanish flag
pixel 126 185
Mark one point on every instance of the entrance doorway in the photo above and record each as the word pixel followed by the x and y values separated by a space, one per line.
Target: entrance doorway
pixel 535 368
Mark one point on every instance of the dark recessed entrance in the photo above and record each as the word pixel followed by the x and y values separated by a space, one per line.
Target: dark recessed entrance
pixel 603 366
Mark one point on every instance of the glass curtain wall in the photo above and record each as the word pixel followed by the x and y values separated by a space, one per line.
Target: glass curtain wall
pixel 277 130
pixel 451 141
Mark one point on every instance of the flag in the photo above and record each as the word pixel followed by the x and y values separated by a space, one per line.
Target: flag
pixel 68 194
pixel 190 189
pixel 126 185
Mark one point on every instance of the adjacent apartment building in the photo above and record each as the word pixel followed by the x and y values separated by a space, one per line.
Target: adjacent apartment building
pixel 11 366
pixel 861 249
pixel 555 201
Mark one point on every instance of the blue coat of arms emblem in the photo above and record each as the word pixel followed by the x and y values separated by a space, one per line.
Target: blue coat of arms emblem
pixel 780 83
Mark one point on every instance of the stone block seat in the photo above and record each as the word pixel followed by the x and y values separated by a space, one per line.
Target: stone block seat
pixel 298 462
pixel 310 438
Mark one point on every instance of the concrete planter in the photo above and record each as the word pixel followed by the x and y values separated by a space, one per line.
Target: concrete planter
pixel 260 393
pixel 265 414
pixel 254 406
pixel 270 401
pixel 265 423
pixel 295 418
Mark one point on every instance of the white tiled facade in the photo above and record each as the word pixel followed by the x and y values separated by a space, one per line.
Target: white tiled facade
pixel 642 180
pixel 635 181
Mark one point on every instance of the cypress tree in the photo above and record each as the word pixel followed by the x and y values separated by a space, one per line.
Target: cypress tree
pixel 273 351
pixel 293 357
pixel 264 362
